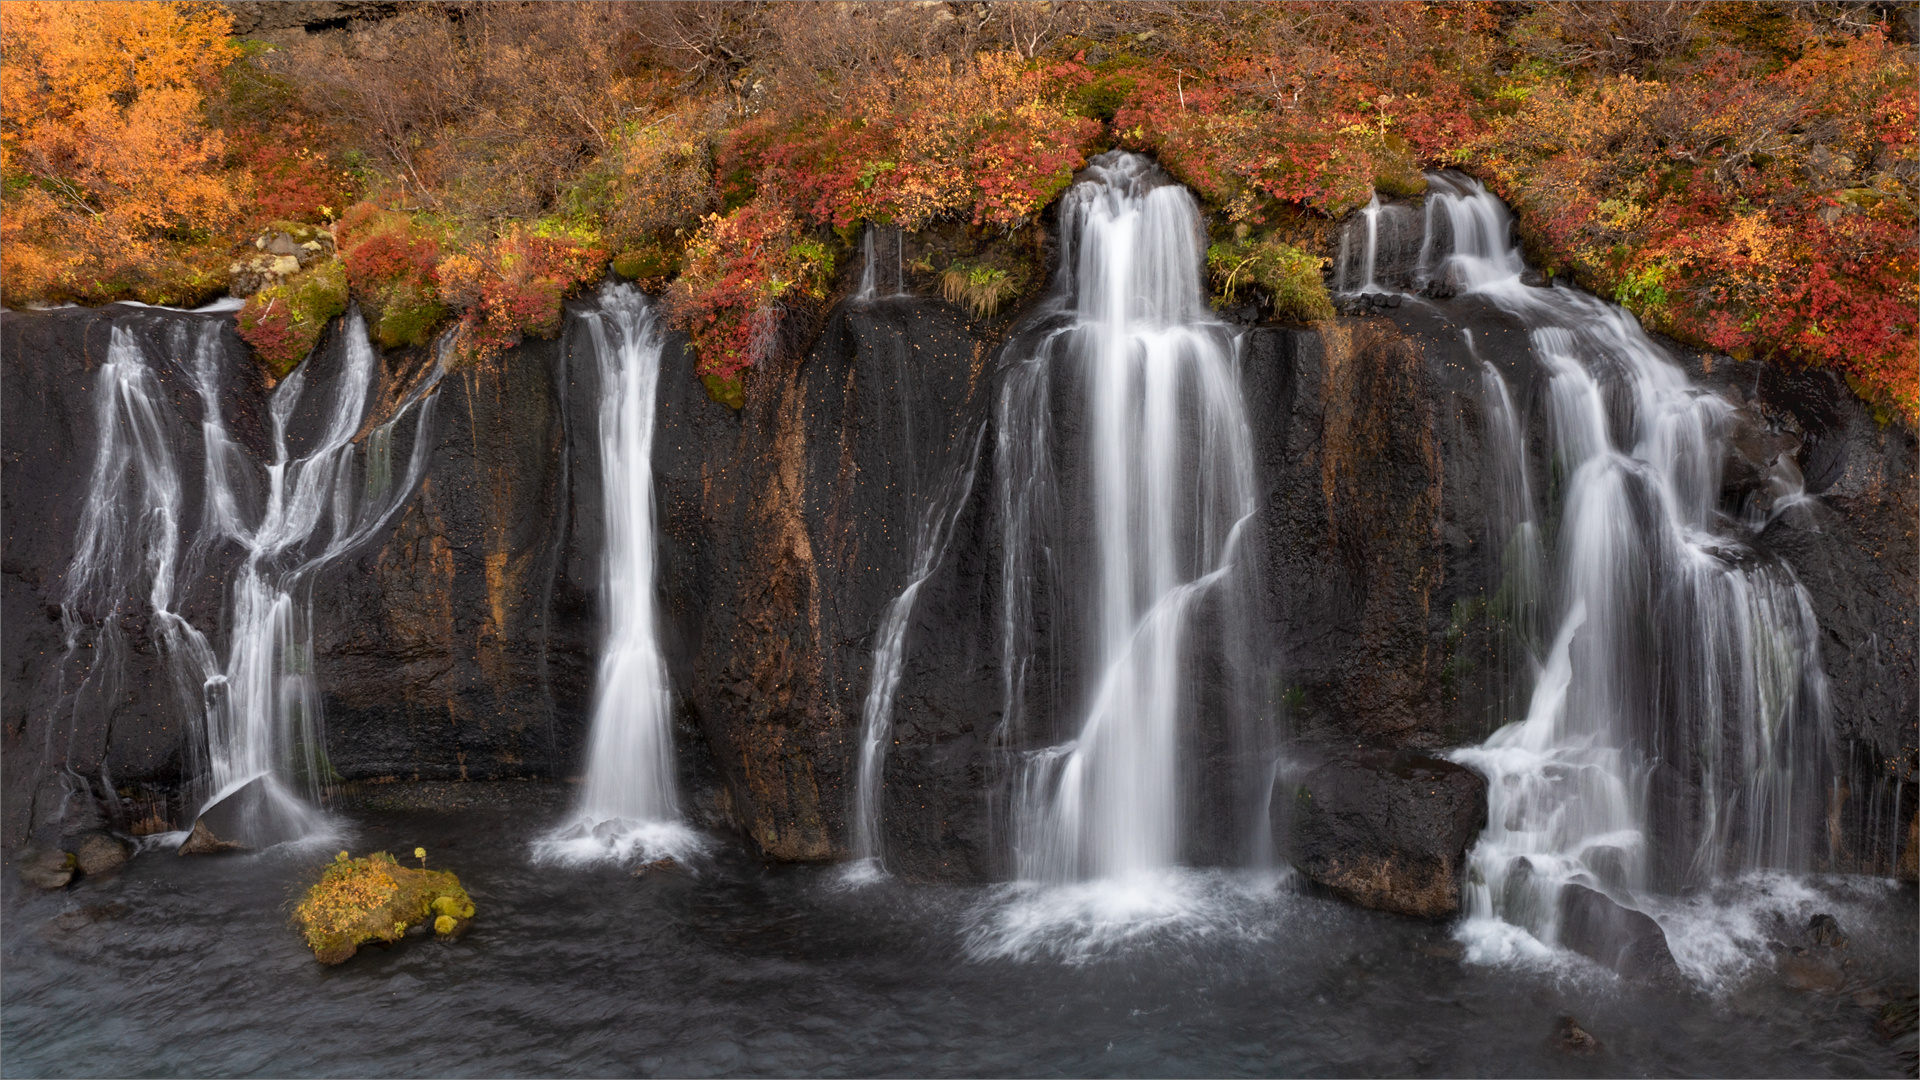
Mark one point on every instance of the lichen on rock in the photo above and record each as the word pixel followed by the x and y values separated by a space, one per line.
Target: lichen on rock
pixel 357 901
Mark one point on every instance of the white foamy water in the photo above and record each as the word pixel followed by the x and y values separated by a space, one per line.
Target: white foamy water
pixel 627 809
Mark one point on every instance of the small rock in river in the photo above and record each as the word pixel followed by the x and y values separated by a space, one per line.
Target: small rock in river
pixel 100 853
pixel 47 869
pixel 655 867
pixel 1570 1038
pixel 202 842
pixel 1824 929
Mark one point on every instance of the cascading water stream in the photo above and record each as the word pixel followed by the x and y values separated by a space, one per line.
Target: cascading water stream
pixel 1676 730
pixel 1163 457
pixel 627 808
pixel 932 532
pixel 257 718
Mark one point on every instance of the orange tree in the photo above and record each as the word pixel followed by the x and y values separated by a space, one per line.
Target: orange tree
pixel 114 185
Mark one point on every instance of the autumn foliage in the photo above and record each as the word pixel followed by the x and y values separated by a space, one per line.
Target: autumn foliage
pixel 1740 175
pixel 112 177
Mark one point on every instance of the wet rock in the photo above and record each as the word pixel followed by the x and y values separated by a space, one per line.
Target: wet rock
pixel 1387 830
pixel 1570 1038
pixel 1811 971
pixel 1823 930
pixel 100 853
pixel 256 814
pixel 1900 1016
pixel 47 869
pixel 1627 941
pixel 657 866
pixel 201 841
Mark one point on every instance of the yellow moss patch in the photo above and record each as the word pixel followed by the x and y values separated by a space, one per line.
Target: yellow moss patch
pixel 376 899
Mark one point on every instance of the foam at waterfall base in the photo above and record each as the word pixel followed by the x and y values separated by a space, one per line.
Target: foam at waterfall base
pixel 590 838
pixel 1093 920
pixel 1718 936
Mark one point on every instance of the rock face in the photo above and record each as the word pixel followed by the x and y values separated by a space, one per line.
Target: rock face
pixel 1627 941
pixel 1386 830
pixel 461 643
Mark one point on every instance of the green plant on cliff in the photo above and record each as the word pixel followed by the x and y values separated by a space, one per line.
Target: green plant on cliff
pixel 284 322
pixel 982 288
pixel 357 901
pixel 1289 277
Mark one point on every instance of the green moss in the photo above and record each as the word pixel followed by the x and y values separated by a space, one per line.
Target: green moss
pixel 407 318
pixel 728 392
pixel 284 322
pixel 649 264
pixel 1103 97
pixel 1397 171
pixel 1288 276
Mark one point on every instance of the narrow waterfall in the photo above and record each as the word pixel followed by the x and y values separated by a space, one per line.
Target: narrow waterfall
pixel 932 531
pixel 881 245
pixel 1380 252
pixel 627 808
pixel 257 719
pixel 1676 729
pixel 1149 486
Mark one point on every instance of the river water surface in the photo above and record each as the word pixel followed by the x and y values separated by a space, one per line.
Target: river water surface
pixel 190 966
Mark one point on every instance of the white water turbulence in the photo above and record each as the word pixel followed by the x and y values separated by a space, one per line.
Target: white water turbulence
pixel 627 809
pixel 1153 484
pixel 1675 735
pixel 256 718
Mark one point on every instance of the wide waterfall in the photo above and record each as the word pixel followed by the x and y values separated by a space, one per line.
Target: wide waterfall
pixel 257 717
pixel 1675 732
pixel 1153 480
pixel 627 808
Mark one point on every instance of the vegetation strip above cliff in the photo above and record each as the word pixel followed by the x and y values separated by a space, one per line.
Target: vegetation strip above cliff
pixel 1740 175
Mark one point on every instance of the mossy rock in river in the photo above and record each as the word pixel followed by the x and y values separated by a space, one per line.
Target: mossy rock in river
pixel 376 899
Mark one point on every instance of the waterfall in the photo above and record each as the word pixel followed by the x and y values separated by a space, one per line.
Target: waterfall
pixel 627 807
pixel 1154 480
pixel 1676 728
pixel 1381 254
pixel 875 276
pixel 257 718
pixel 932 531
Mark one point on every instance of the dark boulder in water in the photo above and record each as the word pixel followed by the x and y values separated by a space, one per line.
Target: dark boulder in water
pixel 1627 941
pixel 1386 830
pixel 256 814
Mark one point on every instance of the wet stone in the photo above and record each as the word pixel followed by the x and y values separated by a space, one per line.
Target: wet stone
pixel 1570 1038
pixel 99 853
pixel 47 869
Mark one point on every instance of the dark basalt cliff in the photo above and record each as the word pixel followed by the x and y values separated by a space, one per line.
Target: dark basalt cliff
pixel 462 643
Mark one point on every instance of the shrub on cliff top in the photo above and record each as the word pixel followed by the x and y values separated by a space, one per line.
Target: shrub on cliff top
pixel 392 265
pixel 512 286
pixel 357 901
pixel 744 271
pixel 283 322
pixel 113 182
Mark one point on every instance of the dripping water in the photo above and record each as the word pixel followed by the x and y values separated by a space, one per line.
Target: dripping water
pixel 932 532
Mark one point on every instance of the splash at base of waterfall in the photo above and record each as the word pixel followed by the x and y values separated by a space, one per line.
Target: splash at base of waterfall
pixel 1111 917
pixel 589 838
